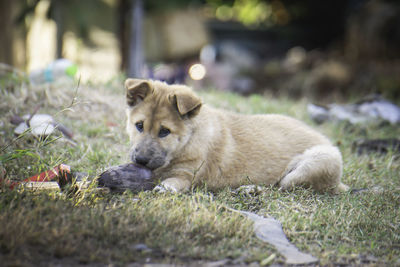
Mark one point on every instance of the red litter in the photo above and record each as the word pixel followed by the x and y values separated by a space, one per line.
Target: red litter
pixel 60 173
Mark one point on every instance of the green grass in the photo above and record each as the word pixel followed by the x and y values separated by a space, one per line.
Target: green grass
pixel 91 227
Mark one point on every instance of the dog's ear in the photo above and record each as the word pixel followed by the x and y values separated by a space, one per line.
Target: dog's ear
pixel 136 91
pixel 187 104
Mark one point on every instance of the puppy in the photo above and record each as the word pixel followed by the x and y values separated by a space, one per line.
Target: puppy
pixel 187 143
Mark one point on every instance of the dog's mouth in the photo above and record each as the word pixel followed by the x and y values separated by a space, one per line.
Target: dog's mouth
pixel 149 166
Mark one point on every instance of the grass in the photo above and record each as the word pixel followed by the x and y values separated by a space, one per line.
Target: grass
pixel 90 227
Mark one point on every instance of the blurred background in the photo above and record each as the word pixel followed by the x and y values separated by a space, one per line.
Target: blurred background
pixel 305 48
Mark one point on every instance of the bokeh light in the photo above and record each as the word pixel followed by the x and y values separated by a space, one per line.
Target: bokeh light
pixel 197 71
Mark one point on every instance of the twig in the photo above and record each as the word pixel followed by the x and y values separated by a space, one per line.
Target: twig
pixel 196 171
pixel 32 114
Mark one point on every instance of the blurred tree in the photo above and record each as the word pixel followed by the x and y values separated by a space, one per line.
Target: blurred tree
pixel 310 23
pixel 373 32
pixel 135 49
pixel 58 7
pixel 73 15
pixel 124 7
pixel 130 17
pixel 6 38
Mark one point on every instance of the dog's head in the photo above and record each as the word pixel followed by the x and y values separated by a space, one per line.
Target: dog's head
pixel 159 120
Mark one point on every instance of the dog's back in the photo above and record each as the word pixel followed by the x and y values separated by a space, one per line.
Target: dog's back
pixel 253 148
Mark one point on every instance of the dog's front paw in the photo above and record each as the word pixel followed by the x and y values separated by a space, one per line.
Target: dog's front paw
pixel 159 189
pixel 163 188
pixel 249 189
pixel 173 185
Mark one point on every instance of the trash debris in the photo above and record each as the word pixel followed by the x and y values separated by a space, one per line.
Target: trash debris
pixel 40 125
pixel 380 146
pixel 270 230
pixel 56 178
pixel 58 69
pixel 40 185
pixel 370 109
pixel 61 173
pixel 128 176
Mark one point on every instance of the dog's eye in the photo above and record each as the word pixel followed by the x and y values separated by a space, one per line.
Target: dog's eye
pixel 139 126
pixel 163 132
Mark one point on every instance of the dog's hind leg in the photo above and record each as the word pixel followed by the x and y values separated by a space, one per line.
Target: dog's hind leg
pixel 319 167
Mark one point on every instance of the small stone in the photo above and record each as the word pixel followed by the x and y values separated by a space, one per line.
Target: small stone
pixel 142 248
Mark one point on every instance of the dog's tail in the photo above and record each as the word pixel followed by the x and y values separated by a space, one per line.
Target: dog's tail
pixel 319 167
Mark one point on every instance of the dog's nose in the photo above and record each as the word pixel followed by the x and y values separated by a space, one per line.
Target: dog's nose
pixel 142 160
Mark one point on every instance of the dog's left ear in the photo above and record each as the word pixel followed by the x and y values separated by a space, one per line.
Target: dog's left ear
pixel 136 91
pixel 187 104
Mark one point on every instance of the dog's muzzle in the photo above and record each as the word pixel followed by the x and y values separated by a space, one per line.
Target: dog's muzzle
pixel 148 160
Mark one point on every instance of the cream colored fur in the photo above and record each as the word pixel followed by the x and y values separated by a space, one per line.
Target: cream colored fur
pixel 220 148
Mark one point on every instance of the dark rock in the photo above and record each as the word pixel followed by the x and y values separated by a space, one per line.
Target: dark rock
pixel 380 146
pixel 127 176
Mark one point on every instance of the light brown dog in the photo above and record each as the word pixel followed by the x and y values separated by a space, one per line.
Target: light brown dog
pixel 186 143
